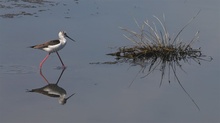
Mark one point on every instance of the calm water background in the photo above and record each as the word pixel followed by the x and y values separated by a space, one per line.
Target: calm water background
pixel 102 93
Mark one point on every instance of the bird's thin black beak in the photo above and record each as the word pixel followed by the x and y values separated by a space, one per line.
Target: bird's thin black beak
pixel 65 100
pixel 70 38
pixel 69 96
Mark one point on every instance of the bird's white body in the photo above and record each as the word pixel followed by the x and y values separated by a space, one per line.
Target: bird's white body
pixel 56 47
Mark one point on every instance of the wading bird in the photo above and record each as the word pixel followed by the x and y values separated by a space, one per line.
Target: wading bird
pixel 53 46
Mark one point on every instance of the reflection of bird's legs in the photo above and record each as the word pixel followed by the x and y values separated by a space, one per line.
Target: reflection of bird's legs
pixel 44 77
pixel 60 75
pixel 61 60
pixel 42 62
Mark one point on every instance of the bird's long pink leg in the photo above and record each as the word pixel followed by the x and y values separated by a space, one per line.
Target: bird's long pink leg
pixel 61 60
pixel 42 62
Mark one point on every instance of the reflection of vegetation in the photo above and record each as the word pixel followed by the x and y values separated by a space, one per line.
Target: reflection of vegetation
pixel 156 49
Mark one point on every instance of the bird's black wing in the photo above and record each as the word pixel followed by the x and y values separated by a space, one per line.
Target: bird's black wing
pixel 46 44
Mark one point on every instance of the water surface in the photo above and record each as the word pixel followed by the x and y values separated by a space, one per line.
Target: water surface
pixel 101 91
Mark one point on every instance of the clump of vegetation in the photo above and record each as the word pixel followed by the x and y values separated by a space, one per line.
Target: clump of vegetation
pixel 157 49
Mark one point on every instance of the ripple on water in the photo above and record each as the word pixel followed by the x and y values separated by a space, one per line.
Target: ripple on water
pixel 17 69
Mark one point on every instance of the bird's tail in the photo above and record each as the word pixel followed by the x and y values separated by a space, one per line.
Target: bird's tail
pixel 27 90
pixel 31 46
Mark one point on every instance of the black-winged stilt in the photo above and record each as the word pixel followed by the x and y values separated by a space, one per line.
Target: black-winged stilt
pixel 53 46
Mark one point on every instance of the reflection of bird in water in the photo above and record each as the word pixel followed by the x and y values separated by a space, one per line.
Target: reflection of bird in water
pixel 53 90
pixel 53 46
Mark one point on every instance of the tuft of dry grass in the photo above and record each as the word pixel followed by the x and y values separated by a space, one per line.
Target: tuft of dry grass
pixel 156 49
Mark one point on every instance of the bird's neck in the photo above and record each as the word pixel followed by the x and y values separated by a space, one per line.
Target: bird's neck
pixel 62 97
pixel 62 40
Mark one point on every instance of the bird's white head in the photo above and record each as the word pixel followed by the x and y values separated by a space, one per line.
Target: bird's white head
pixel 63 100
pixel 62 34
